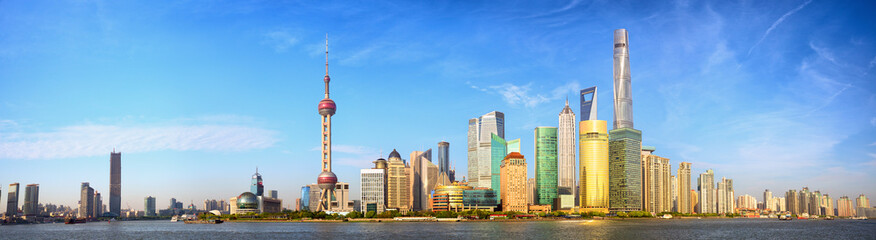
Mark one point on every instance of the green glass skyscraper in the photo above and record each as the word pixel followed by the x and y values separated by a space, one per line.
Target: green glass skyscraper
pixel 625 170
pixel 546 165
pixel 499 148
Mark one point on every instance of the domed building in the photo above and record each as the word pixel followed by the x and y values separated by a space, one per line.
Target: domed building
pixel 249 202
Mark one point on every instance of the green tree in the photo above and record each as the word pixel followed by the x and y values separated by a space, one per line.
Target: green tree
pixel 354 214
pixel 446 214
pixel 370 214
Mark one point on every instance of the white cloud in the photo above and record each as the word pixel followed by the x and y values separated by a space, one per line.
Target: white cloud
pixel 280 40
pixel 95 140
pixel 873 121
pixel 520 95
pixel 4 124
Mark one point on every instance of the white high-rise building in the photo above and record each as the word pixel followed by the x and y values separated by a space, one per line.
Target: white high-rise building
pixel 725 200
pixel 706 187
pixel 684 196
pixel 780 204
pixel 374 188
pixel 566 151
pixel 673 195
pixel 656 184
pixel 746 201
pixel 479 147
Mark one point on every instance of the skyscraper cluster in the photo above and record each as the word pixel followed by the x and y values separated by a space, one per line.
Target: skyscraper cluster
pixel 404 185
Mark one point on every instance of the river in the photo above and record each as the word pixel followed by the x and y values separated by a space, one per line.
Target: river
pixel 574 229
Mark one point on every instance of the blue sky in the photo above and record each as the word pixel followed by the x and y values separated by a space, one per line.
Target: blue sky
pixel 197 94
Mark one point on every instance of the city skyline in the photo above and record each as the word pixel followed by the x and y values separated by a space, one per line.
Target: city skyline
pixel 233 99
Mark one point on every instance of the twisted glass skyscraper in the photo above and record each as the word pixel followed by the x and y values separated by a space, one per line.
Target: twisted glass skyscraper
pixel 625 143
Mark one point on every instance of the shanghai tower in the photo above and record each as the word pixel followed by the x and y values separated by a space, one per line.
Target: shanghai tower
pixel 624 142
pixel 623 95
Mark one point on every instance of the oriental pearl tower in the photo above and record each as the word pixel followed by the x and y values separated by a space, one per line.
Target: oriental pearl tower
pixel 326 179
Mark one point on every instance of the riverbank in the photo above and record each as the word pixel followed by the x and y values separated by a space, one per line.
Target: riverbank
pixel 389 220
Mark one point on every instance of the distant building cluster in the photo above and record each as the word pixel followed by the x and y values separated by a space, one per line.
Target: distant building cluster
pixel 253 201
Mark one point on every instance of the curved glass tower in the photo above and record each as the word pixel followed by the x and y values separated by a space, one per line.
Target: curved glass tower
pixel 625 143
pixel 623 95
pixel 593 146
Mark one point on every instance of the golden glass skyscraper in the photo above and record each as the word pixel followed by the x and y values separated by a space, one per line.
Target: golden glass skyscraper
pixel 593 152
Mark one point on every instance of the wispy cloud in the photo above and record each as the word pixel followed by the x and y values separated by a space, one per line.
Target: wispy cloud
pixel 280 40
pixel 95 140
pixel 824 53
pixel 516 95
pixel 776 24
pixel 4 124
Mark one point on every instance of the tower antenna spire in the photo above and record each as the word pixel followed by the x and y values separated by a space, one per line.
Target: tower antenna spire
pixel 327 79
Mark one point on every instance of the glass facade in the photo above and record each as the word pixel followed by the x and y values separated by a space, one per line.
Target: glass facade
pixel 12 200
pixel 373 187
pixel 149 206
pixel 451 197
pixel 546 165
pixel 623 93
pixel 257 188
pixel 31 200
pixel 499 148
pixel 444 157
pixel 115 194
pixel 593 151
pixel 480 197
pixel 480 150
pixel 625 170
pixel 588 104
pixel 305 198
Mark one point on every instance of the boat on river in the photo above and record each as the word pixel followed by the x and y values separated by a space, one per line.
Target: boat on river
pixel 74 220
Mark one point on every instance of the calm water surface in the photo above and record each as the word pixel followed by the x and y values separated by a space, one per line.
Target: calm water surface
pixel 597 229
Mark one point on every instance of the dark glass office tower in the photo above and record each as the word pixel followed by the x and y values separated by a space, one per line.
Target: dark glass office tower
pixel 115 194
pixel 12 200
pixel 444 157
pixel 31 200
pixel 588 104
